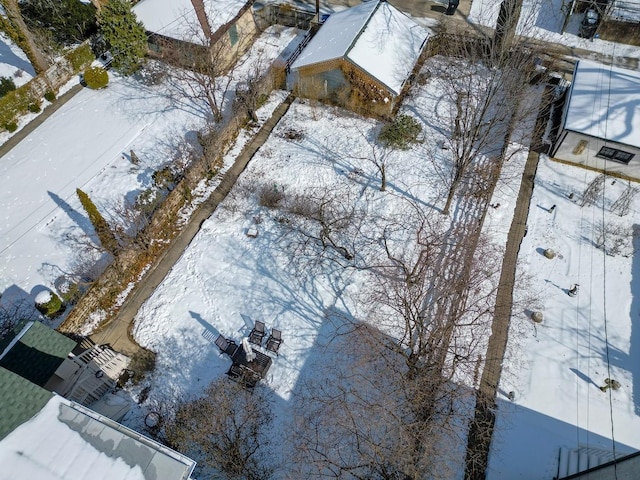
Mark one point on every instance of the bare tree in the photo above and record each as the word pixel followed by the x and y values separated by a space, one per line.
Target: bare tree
pixel 207 73
pixel 381 157
pixel 225 431
pixel 358 416
pixel 485 106
pixel 326 221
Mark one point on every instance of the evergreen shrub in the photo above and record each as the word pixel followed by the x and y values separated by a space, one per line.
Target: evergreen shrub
pixel 401 132
pixel 6 85
pixel 96 77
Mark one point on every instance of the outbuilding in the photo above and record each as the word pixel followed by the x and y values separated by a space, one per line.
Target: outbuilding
pixel 361 58
pixel 600 126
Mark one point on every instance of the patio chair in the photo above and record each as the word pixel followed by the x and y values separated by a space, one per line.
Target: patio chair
pixel 225 345
pixel 274 341
pixel 257 333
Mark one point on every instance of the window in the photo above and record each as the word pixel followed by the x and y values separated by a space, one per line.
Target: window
pixel 615 154
pixel 233 34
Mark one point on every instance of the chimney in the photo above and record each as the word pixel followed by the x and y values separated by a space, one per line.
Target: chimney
pixel 201 13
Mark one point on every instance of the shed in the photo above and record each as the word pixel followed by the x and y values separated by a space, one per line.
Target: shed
pixel 600 125
pixel 361 58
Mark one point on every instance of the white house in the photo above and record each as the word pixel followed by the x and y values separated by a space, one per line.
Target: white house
pixel 46 437
pixel 181 30
pixel 361 56
pixel 600 126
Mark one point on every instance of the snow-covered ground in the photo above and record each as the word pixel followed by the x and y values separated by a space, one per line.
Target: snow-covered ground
pixel 226 280
pixel 543 19
pixel 86 145
pixel 14 63
pixel 555 368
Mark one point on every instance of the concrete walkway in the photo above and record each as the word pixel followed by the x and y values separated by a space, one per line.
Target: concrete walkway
pixel 118 331
pixel 482 425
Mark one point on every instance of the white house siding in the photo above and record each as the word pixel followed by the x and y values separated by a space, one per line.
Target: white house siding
pixel 570 149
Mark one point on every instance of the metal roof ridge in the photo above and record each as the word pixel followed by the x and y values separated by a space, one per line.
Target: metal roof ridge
pixel 364 27
pixel 17 338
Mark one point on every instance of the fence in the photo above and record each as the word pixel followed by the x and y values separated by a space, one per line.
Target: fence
pixel 17 102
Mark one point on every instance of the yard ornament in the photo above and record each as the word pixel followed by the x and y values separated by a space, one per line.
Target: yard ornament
pixel 248 350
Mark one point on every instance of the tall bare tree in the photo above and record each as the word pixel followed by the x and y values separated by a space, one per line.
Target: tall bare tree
pixel 487 89
pixel 207 74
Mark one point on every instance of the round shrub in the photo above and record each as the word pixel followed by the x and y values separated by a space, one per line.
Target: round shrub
pixel 49 96
pixel 34 108
pixel 49 304
pixel 96 77
pixel 11 126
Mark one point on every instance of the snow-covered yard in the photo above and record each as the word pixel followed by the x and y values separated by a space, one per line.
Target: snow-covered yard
pixel 86 144
pixel 555 368
pixel 226 280
pixel 14 63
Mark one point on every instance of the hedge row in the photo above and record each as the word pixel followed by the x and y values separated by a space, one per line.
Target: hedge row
pixel 17 102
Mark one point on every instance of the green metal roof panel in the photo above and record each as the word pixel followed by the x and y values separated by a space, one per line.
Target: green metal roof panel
pixel 38 353
pixel 20 400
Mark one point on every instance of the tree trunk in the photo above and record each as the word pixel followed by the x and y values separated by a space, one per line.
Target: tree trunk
pixel 383 179
pixel 36 57
pixel 452 193
pixel 508 18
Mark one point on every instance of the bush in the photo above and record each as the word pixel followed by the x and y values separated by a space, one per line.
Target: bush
pixel 80 57
pixel 400 133
pixel 142 362
pixel 34 108
pixel 270 196
pixel 6 85
pixel 96 77
pixel 165 178
pixel 11 127
pixel 49 96
pixel 49 304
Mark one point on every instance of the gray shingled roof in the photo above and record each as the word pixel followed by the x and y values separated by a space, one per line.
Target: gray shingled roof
pixel 20 400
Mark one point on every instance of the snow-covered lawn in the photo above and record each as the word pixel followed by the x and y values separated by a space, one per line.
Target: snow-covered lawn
pixel 86 145
pixel 226 280
pixel 555 368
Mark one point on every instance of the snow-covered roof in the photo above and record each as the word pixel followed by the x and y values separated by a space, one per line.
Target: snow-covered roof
pixel 67 441
pixel 177 18
pixel 375 36
pixel 603 103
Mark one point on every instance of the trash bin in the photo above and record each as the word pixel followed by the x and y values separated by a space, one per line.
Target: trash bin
pixel 451 8
pixel 589 23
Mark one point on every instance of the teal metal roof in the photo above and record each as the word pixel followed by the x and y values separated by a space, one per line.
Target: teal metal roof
pixel 36 354
pixel 20 401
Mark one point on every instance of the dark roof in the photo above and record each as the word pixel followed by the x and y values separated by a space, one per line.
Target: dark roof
pixel 20 401
pixel 37 353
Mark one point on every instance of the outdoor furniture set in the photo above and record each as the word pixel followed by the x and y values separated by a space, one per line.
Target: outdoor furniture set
pixel 249 366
